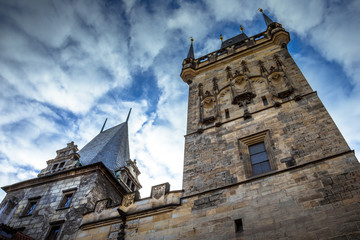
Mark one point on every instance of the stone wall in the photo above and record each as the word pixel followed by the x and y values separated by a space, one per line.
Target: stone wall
pixel 88 189
pixel 310 201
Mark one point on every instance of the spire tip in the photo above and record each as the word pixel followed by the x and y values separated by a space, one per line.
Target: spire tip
pixel 127 119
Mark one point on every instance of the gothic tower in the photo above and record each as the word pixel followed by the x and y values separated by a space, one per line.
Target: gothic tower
pixel 254 122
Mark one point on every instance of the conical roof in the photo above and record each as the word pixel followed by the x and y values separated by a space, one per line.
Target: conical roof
pixel 268 20
pixel 110 147
pixel 191 52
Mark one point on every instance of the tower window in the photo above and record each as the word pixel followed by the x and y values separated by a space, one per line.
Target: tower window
pixel 259 159
pixel 239 226
pixel 55 166
pixel 227 113
pixel 265 101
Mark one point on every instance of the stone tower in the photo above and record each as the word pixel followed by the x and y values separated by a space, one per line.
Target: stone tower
pixel 255 123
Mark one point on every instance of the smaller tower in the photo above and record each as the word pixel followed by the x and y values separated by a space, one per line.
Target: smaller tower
pixel 66 158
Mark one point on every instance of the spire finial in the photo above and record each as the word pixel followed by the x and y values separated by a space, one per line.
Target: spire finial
pixel 191 50
pixel 268 21
pixel 221 38
pixel 241 28
pixel 102 129
pixel 127 119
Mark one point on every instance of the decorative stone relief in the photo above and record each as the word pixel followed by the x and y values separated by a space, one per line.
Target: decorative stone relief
pixel 280 87
pixel 208 104
pixel 245 69
pixel 229 75
pixel 263 71
pixel 241 91
pixel 160 190
pixel 128 199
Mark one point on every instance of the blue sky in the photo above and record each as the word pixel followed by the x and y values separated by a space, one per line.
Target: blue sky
pixel 67 65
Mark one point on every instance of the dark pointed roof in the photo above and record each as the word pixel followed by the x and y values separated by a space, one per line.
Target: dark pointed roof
pixel 110 147
pixel 268 21
pixel 241 37
pixel 191 51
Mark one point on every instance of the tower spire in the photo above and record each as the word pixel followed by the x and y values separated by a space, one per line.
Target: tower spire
pixel 102 129
pixel 191 50
pixel 268 20
pixel 127 119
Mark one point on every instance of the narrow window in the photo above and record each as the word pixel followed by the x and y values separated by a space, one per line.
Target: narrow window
pixel 227 113
pixel 128 182
pixel 264 100
pixel 239 226
pixel 55 166
pixel 65 203
pixel 259 159
pixel 30 207
pixel 54 232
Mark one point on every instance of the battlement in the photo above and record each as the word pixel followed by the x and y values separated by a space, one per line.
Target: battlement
pixel 275 34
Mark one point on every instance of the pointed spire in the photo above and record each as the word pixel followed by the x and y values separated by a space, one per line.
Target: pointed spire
pixel 127 119
pixel 102 129
pixel 191 50
pixel 268 21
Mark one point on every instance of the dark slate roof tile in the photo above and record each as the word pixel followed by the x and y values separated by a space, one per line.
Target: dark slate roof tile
pixel 110 147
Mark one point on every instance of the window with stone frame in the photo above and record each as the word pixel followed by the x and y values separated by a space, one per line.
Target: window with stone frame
pixel 54 231
pixel 256 153
pixel 30 207
pixel 259 159
pixel 67 198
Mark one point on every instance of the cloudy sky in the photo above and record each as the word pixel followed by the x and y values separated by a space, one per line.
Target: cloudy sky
pixel 67 65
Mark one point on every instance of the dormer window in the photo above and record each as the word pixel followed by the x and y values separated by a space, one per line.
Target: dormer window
pixel 62 165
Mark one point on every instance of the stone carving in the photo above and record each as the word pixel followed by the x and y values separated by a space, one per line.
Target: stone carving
pixel 245 69
pixel 229 73
pixel 101 205
pixel 278 62
pixel 215 85
pixel 242 91
pixel 160 190
pixel 128 199
pixel 263 71
pixel 280 87
pixel 208 104
pixel 201 90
